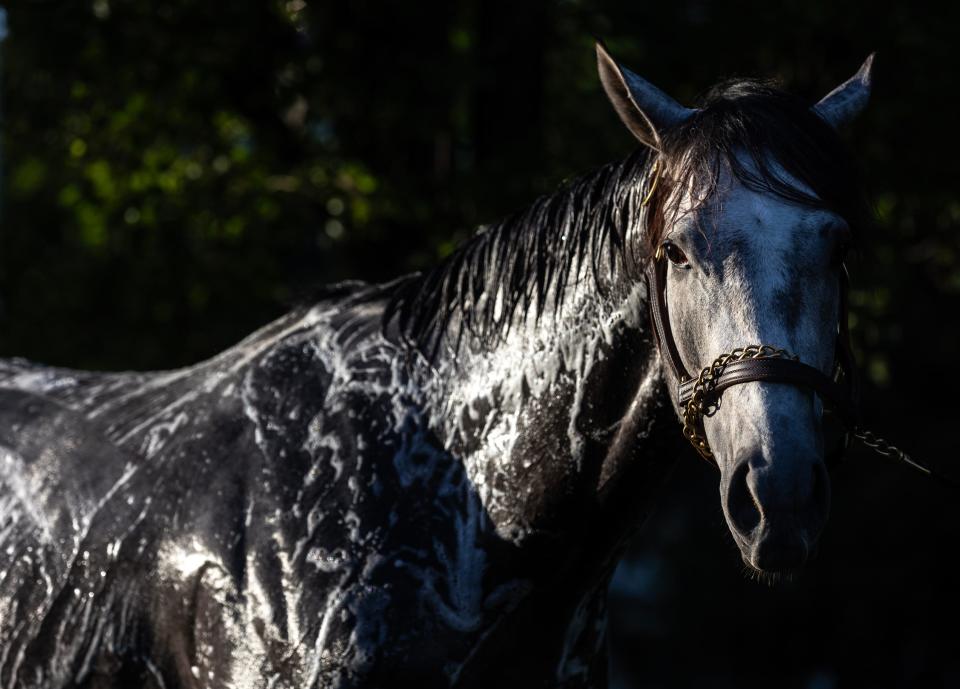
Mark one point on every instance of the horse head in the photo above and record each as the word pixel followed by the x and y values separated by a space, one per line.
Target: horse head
pixel 752 204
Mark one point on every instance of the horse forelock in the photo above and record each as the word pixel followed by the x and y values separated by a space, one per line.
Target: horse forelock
pixel 768 140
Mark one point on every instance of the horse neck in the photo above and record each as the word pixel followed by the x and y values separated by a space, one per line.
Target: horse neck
pixel 551 418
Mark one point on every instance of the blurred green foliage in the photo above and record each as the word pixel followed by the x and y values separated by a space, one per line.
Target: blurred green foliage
pixel 180 172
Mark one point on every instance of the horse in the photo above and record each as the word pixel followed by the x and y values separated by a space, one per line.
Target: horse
pixel 431 480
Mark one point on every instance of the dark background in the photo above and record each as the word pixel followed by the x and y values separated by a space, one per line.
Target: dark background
pixel 177 173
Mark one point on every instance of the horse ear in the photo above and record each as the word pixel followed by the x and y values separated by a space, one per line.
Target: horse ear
pixel 846 101
pixel 645 109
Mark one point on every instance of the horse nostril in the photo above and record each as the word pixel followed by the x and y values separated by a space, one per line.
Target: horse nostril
pixel 741 506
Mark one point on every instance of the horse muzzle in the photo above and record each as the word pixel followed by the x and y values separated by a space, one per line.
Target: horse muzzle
pixel 775 513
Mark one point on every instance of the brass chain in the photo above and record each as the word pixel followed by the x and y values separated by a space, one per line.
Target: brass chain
pixel 697 407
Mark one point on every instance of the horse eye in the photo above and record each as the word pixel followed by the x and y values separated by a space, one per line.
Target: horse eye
pixel 674 254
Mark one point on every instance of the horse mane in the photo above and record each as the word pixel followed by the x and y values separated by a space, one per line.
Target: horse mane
pixel 748 128
pixel 524 262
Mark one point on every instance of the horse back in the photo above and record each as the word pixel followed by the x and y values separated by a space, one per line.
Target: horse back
pixel 143 514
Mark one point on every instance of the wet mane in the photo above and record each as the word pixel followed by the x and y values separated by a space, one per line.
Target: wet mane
pixel 524 262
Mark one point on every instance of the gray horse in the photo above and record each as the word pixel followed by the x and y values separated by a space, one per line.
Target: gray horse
pixel 429 482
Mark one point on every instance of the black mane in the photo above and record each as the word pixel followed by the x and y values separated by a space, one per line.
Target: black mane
pixel 526 257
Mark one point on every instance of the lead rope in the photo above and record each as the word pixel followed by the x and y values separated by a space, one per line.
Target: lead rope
pixel 700 406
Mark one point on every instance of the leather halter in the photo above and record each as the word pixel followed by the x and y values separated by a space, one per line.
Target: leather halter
pixel 838 392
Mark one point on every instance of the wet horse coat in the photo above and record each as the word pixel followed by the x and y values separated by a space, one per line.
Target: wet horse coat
pixel 427 481
pixel 293 513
